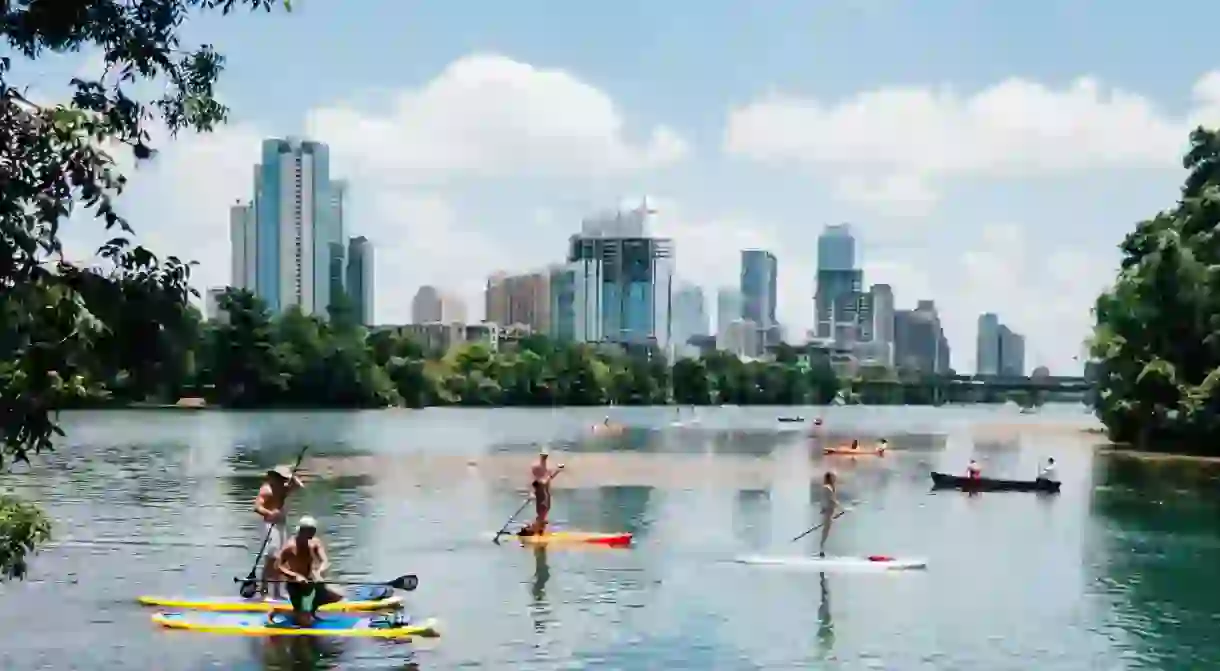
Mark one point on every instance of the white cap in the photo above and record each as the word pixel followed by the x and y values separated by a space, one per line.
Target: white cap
pixel 307 522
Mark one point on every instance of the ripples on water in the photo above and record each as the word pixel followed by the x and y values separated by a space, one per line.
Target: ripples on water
pixel 159 503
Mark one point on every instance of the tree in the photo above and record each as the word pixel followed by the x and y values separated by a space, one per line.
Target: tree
pixel 1156 341
pixel 56 161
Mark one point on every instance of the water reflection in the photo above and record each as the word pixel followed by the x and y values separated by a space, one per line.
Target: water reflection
pixel 540 609
pixel 826 625
pixel 297 652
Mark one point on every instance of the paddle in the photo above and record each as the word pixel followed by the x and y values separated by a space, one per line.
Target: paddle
pixel 504 529
pixel 407 583
pixel 249 587
pixel 837 516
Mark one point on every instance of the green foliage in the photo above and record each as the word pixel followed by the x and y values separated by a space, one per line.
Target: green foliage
pixel 64 328
pixel 23 527
pixel 1156 342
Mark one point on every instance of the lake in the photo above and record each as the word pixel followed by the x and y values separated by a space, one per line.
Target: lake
pixel 1116 572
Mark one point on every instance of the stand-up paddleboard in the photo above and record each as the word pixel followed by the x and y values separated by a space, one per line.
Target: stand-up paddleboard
pixel 281 624
pixel 806 563
pixel 619 539
pixel 358 599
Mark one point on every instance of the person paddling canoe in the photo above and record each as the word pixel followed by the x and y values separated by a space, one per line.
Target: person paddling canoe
pixel 540 486
pixel 271 505
pixel 973 471
pixel 830 507
pixel 1048 471
pixel 303 562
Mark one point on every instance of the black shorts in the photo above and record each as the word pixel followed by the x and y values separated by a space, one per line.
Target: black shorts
pixel 542 498
pixel 299 593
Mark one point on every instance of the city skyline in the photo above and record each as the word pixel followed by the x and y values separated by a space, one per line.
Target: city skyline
pixel 470 147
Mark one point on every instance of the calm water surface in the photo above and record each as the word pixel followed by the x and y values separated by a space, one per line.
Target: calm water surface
pixel 1118 572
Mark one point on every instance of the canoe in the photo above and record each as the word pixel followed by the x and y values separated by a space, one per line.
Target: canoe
pixel 621 539
pixel 359 599
pixel 946 481
pixel 873 563
pixel 790 419
pixel 280 624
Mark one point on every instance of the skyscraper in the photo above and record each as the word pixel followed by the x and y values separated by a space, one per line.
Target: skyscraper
pixel 987 346
pixel 296 224
pixel 842 309
pixel 359 280
pixel 728 310
pixel 882 298
pixel 919 340
pixel 243 245
pixel 426 305
pixel 625 277
pixel 523 299
pixel 759 278
pixel 689 315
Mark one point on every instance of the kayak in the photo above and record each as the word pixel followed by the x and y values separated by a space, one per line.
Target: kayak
pixel 362 598
pixel 872 563
pixel 946 481
pixel 862 452
pixel 621 539
pixel 790 419
pixel 280 624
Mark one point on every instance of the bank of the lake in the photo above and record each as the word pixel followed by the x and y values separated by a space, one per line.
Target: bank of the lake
pixel 1116 572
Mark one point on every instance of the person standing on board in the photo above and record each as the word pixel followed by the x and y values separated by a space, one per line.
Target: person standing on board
pixel 303 562
pixel 270 504
pixel 540 485
pixel 882 446
pixel 830 507
pixel 973 471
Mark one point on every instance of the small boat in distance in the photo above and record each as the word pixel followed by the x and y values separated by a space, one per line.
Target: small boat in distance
pixel 946 481
pixel 790 419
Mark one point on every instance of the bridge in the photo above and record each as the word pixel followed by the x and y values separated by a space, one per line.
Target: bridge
pixel 1049 383
pixel 937 389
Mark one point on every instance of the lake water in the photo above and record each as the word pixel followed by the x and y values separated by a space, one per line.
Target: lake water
pixel 1117 572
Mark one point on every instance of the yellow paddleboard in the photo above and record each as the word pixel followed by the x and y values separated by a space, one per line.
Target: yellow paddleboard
pixel 359 599
pixel 280 624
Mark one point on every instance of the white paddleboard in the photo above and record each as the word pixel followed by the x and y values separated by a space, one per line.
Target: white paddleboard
pixel 806 563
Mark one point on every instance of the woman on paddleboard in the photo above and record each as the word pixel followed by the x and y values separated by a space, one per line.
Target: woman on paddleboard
pixel 830 507
pixel 540 484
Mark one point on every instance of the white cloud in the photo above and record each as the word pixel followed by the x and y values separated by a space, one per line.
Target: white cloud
pixel 487 115
pixel 905 139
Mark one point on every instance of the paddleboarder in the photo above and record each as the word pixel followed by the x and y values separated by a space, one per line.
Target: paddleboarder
pixel 270 504
pixel 303 563
pixel 540 485
pixel 830 507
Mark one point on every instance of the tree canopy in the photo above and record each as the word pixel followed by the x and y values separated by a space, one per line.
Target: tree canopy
pixel 1156 342
pixel 62 324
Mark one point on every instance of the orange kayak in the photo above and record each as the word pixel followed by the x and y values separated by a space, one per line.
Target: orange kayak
pixel 847 451
pixel 621 539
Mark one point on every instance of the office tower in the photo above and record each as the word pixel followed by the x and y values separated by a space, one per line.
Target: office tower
pixel 920 344
pixel 842 309
pixel 689 316
pixel 625 278
pixel 359 279
pixel 426 306
pixel 987 347
pixel 759 270
pixel 211 305
pixel 1011 352
pixel 297 225
pixel 243 246
pixel 339 259
pixel 881 298
pixel 728 310
pixel 523 299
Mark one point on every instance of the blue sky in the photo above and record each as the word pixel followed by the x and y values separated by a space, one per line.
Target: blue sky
pixel 989 158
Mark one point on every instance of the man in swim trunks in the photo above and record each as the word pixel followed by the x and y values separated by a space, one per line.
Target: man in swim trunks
pixel 830 506
pixel 303 562
pixel 270 504
pixel 540 485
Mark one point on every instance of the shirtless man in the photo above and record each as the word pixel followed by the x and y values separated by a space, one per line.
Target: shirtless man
pixel 540 484
pixel 303 562
pixel 270 505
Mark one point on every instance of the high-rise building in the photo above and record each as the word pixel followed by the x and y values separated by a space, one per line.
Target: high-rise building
pixel 1000 350
pixel 211 305
pixel 987 346
pixel 338 255
pixel 689 316
pixel 359 279
pixel 520 300
pixel 426 306
pixel 759 275
pixel 298 227
pixel 243 245
pixel 919 340
pixel 881 299
pixel 842 308
pixel 728 310
pixel 624 279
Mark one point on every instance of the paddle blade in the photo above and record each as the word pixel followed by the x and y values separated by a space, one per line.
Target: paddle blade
pixel 407 583
pixel 248 589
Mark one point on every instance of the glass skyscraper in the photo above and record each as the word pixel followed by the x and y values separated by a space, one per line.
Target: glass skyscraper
pixel 759 277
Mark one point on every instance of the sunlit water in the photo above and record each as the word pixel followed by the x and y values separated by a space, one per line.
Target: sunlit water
pixel 1116 572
